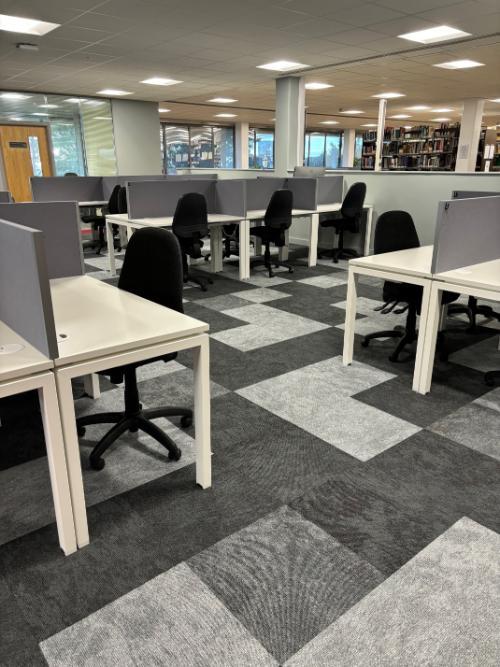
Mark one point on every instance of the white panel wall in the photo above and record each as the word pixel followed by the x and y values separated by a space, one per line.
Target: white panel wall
pixel 136 127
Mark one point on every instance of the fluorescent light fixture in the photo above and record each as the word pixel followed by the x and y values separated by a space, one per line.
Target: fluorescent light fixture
pixel 282 66
pixel 112 91
pixel 162 110
pixel 418 107
pixel 440 120
pixel 408 127
pixel 26 26
pixel 352 111
pixel 440 33
pixel 388 96
pixel 17 119
pixel 316 85
pixel 94 103
pixel 160 81
pixel 400 116
pixel 48 106
pixel 102 117
pixel 460 64
pixel 370 125
pixel 497 100
pixel 14 96
pixel 40 113
pixel 442 110
pixel 225 115
pixel 73 100
pixel 329 122
pixel 222 100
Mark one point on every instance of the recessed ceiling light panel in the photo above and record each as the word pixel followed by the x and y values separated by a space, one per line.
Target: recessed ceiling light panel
pixel 26 26
pixel 400 116
pixel 418 107
pixel 14 96
pixel 48 106
pixel 440 33
pixel 388 96
pixel 225 115
pixel 112 92
pixel 440 120
pixel 352 112
pixel 370 125
pixel 222 100
pixel 460 64
pixel 329 122
pixel 441 110
pixel 162 110
pixel 497 100
pixel 316 85
pixel 282 66
pixel 160 81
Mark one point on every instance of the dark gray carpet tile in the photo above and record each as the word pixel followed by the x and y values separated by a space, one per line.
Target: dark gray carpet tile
pixel 234 369
pixel 316 306
pixel 29 657
pixel 112 281
pixel 285 579
pixel 218 321
pixel 16 635
pixel 222 285
pixel 53 591
pixel 397 398
pixel 89 268
pixel 173 389
pixel 404 498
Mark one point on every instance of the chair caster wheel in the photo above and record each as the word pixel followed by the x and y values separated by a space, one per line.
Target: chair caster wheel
pixel 290 270
pixel 365 343
pixel 186 421
pixel 80 431
pixel 210 281
pixel 133 429
pixel 97 463
pixel 174 455
pixel 207 258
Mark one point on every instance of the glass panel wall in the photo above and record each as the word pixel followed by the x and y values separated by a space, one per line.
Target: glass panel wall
pixel 323 149
pixel 197 146
pixel 260 148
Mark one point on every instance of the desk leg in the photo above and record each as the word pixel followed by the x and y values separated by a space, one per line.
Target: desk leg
pixel 257 242
pixel 244 250
pixel 57 465
pixel 431 331
pixel 422 334
pixel 202 413
pixel 350 316
pixel 111 248
pixel 312 258
pixel 122 232
pixel 368 230
pixel 284 250
pixel 68 419
pixel 216 248
pixel 91 385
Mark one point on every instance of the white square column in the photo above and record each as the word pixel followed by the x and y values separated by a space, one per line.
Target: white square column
pixel 470 132
pixel 290 122
pixel 348 147
pixel 241 145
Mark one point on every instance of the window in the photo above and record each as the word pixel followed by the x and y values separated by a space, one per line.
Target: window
pixel 202 147
pixel 67 147
pixel 260 149
pixel 323 149
pixel 358 150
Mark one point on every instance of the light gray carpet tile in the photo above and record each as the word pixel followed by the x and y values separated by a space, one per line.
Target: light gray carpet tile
pixel 483 356
pixel 102 262
pixel 317 399
pixel 440 609
pixel 173 389
pixel 474 426
pixel 261 295
pixel 156 369
pixel 490 400
pixel 266 326
pixel 372 321
pixel 326 281
pixel 222 302
pixel 174 619
pixel 285 579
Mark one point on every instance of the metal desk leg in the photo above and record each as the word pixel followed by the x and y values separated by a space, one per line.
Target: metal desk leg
pixel 202 413
pixel 283 250
pixel 368 230
pixel 111 247
pixel 216 248
pixel 313 239
pixel 350 316
pixel 422 333
pixel 91 385
pixel 244 250
pixel 431 331
pixel 122 232
pixel 68 420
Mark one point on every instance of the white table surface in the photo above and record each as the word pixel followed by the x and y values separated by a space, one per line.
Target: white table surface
pixel 92 203
pixel 26 361
pixel 166 221
pixel 410 262
pixel 485 275
pixel 99 319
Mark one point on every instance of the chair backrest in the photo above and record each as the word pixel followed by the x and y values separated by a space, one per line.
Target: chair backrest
pixel 279 210
pixel 352 206
pixel 191 217
pixel 71 173
pixel 122 199
pixel 152 267
pixel 113 201
pixel 395 230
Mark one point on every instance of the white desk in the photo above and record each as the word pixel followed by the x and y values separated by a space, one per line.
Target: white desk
pixel 407 266
pixel 106 327
pixel 479 280
pixel 27 369
pixel 91 204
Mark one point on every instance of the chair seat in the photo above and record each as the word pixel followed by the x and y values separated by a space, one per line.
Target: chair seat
pixel 116 374
pixel 346 224
pixel 270 234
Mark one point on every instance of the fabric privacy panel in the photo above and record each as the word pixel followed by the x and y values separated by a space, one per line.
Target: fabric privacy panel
pixel 5 197
pixel 25 301
pixel 67 188
pixel 305 192
pixel 330 189
pixel 471 194
pixel 109 182
pixel 467 232
pixel 230 197
pixel 158 199
pixel 60 224
pixel 260 190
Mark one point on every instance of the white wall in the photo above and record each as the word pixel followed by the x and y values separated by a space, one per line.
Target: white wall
pixel 136 127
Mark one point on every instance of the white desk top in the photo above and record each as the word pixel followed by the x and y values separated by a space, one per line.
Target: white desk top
pixel 27 361
pixel 99 319
pixel 485 275
pixel 412 262
pixel 259 213
pixel 213 219
pixel 92 203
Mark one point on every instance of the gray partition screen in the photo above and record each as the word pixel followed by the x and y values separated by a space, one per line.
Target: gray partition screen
pixel 158 199
pixel 67 188
pixel 230 197
pixel 109 182
pixel 5 197
pixel 25 302
pixel 260 190
pixel 467 232
pixel 59 221
pixel 309 172
pixel 330 189
pixel 305 191
pixel 470 194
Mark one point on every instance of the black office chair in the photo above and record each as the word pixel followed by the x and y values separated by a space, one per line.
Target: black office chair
pixel 395 230
pixel 190 225
pixel 152 269
pixel 71 173
pixel 122 199
pixel 348 220
pixel 277 220
pixel 472 310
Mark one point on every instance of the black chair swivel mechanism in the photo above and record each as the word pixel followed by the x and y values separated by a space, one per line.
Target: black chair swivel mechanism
pixel 277 220
pixel 190 225
pixel 348 220
pixel 152 269
pixel 395 230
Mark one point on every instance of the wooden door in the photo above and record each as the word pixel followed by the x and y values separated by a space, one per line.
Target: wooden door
pixel 25 151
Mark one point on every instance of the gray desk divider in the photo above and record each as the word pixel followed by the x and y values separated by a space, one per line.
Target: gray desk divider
pixel 25 301
pixel 67 188
pixel 305 191
pixel 330 189
pixel 467 232
pixel 230 197
pixel 470 194
pixel 157 199
pixel 5 197
pixel 60 224
pixel 186 177
pixel 109 182
pixel 260 190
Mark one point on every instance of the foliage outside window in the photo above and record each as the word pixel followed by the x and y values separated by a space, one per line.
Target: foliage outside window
pixel 260 148
pixel 323 149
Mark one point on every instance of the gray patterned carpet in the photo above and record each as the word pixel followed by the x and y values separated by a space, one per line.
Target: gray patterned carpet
pixel 351 522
